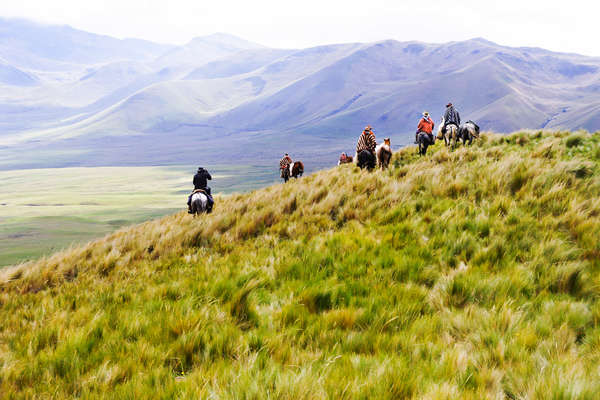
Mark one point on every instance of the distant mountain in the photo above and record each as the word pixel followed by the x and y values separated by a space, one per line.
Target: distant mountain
pixel 204 49
pixel 71 88
pixel 12 76
pixel 48 47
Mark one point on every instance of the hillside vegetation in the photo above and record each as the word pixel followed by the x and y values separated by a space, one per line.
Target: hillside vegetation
pixel 465 274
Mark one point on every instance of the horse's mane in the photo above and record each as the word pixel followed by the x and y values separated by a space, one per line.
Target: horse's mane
pixel 473 123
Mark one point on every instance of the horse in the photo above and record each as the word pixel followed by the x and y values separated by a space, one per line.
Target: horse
pixel 286 173
pixel 199 203
pixel 365 159
pixel 468 131
pixel 384 154
pixel 345 160
pixel 424 142
pixel 451 134
pixel 296 169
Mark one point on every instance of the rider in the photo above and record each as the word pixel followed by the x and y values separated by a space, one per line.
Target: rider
pixel 285 163
pixel 366 141
pixel 426 126
pixel 200 183
pixel 343 158
pixel 451 117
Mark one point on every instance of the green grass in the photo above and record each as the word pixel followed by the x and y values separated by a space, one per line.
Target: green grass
pixel 46 210
pixel 468 274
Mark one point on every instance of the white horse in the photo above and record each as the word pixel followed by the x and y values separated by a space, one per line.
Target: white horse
pixel 199 203
pixel 451 135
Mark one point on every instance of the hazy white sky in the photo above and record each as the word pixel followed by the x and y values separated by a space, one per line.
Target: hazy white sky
pixel 570 26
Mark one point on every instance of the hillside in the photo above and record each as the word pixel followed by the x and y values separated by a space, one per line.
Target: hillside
pixel 467 274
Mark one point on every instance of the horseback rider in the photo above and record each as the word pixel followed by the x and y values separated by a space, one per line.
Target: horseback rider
pixel 366 141
pixel 451 117
pixel 365 149
pixel 201 184
pixel 343 158
pixel 285 163
pixel 426 126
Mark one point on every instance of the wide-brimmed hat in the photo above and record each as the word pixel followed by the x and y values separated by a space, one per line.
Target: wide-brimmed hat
pixel 425 114
pixel 368 128
pixel 448 105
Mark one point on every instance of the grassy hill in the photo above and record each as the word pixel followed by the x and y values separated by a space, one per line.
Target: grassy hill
pixel 466 274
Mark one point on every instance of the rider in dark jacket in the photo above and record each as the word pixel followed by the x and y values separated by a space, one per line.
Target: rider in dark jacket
pixel 200 182
pixel 200 179
pixel 451 116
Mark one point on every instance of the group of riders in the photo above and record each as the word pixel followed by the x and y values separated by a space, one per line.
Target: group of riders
pixel 367 144
pixel 426 124
pixel 365 151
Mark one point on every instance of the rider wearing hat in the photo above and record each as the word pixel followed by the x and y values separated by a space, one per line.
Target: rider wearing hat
pixel 284 163
pixel 366 141
pixel 426 126
pixel 451 117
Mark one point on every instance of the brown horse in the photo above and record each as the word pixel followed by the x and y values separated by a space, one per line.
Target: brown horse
pixel 384 153
pixel 297 169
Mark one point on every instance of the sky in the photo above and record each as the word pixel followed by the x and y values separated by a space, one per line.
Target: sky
pixel 565 26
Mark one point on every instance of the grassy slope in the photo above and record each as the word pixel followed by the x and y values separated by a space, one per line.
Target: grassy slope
pixel 80 204
pixel 471 274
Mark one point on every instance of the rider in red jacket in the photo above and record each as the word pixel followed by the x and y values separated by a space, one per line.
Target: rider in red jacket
pixel 425 125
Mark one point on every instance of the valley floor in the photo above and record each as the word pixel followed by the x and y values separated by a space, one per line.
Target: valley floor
pixel 45 210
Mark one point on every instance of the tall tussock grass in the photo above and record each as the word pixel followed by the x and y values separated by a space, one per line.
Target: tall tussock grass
pixel 472 274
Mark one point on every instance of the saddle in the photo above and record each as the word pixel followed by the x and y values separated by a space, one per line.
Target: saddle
pixel 200 191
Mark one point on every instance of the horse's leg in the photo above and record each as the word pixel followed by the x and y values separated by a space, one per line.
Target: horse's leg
pixel 453 138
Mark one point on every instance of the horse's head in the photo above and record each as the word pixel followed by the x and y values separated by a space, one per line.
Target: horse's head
pixel 387 141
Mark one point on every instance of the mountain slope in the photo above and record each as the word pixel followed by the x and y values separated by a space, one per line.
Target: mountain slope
pixel 204 49
pixel 94 96
pixel 390 83
pixel 465 274
pixel 330 90
pixel 51 47
pixel 10 75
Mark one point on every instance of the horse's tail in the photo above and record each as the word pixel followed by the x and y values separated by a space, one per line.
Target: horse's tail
pixel 440 133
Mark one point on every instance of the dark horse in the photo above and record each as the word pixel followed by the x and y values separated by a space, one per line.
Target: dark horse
pixel 424 141
pixel 285 173
pixel 297 169
pixel 366 159
pixel 468 131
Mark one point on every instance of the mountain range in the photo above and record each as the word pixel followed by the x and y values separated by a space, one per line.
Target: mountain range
pixel 69 97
